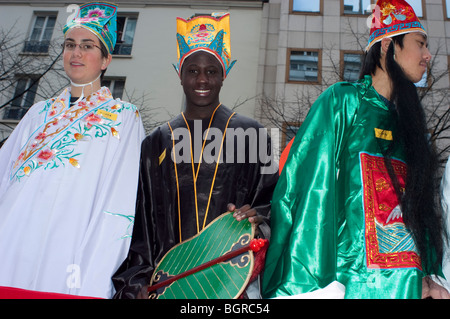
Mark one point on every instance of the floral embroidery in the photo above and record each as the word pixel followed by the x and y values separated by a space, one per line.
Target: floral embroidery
pixel 96 13
pixel 54 143
pixel 92 119
pixel 93 15
pixel 46 155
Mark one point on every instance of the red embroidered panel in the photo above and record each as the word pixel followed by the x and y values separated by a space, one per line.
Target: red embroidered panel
pixel 388 243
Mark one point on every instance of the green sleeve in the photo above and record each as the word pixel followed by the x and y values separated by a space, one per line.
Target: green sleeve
pixel 302 252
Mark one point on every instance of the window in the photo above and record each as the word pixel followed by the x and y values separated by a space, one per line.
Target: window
pixel 418 7
pixel 41 34
pixel 364 7
pixel 290 129
pixel 115 85
pixel 5 131
pixel 350 65
pixel 126 26
pixel 304 66
pixel 446 6
pixel 24 95
pixel 306 6
pixel 357 7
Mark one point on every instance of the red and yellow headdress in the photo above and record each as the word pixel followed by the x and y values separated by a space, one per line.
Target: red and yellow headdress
pixel 208 33
pixel 391 18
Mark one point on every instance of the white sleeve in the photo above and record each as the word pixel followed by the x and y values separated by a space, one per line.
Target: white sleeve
pixel 334 290
pixel 445 191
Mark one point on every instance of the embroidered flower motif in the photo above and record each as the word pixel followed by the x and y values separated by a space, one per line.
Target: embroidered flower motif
pixel 96 13
pixel 93 119
pixel 101 98
pixel 115 133
pixel 64 136
pixel 41 136
pixel 78 136
pixel 92 16
pixel 74 162
pixel 202 31
pixel 46 155
pixel 27 170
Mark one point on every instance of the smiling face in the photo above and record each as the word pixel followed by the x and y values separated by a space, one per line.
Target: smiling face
pixel 413 56
pixel 81 66
pixel 202 79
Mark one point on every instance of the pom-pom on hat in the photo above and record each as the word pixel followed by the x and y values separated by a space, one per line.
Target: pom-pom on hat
pixel 100 18
pixel 208 33
pixel 391 18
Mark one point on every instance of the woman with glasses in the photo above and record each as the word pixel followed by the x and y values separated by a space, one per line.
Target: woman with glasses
pixel 69 172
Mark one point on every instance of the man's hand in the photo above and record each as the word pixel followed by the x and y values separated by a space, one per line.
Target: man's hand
pixel 245 212
pixel 431 289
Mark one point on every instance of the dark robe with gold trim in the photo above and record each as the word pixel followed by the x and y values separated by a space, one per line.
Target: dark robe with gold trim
pixel 157 225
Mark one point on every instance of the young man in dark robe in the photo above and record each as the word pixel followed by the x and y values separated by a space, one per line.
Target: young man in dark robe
pixel 206 161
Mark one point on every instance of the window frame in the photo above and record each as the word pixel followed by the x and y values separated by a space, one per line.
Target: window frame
pixel 284 127
pixel 113 80
pixel 445 7
pixel 319 66
pixel 40 42
pixel 372 2
pixel 119 41
pixel 356 15
pixel 291 9
pixel 23 97
pixel 342 62
pixel 424 10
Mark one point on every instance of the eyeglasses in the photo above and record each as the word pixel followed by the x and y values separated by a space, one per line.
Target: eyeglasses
pixel 85 47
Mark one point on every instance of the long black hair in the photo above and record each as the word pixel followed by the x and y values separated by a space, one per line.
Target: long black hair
pixel 422 213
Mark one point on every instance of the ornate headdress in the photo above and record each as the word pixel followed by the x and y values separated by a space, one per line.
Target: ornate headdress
pixel 205 33
pixel 391 18
pixel 101 19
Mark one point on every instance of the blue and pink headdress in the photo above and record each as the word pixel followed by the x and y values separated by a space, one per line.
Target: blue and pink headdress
pixel 100 18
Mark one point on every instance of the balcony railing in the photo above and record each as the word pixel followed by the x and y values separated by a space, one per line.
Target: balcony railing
pixel 122 49
pixel 33 46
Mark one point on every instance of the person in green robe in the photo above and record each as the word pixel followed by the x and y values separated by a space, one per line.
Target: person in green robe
pixel 354 213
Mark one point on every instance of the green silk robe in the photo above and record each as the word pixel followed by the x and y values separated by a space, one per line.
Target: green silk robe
pixel 335 215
